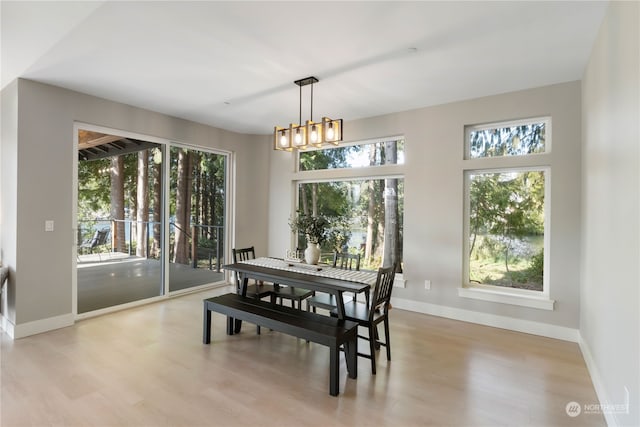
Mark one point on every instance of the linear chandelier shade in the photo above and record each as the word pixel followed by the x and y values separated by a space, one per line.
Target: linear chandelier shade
pixel 310 134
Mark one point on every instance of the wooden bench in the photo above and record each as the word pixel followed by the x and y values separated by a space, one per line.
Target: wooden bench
pixel 313 327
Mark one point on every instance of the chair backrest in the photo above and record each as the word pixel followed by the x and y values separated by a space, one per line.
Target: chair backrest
pixel 100 238
pixel 103 236
pixel 243 254
pixel 382 290
pixel 346 261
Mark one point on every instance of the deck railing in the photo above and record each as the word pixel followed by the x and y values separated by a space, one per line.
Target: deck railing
pixel 206 241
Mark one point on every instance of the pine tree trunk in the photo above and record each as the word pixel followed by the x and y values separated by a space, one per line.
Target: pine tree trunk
pixel 143 203
pixel 368 247
pixel 157 208
pixel 183 208
pixel 314 199
pixel 197 212
pixel 303 199
pixel 117 202
pixel 391 225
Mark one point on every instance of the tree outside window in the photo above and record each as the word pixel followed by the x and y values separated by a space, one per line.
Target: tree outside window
pixel 506 229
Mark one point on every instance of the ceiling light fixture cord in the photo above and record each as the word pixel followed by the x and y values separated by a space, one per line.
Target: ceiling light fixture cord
pixel 311 101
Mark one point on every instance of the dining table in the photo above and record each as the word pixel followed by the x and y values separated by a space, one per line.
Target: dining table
pixel 318 278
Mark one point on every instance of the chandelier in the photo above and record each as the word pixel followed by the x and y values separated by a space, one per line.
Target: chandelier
pixel 311 134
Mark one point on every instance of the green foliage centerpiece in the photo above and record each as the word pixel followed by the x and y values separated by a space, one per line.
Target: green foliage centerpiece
pixel 315 228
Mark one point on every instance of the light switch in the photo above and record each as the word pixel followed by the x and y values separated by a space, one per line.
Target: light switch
pixel 48 225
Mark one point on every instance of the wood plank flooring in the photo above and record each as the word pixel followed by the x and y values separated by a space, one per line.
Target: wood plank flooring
pixel 147 366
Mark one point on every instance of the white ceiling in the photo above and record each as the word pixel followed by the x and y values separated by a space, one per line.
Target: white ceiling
pixel 232 64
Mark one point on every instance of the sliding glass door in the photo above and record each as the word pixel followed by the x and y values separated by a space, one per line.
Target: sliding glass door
pixel 119 221
pixel 197 206
pixel 150 218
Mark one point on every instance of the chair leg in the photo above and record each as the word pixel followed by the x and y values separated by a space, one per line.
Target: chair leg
pixel 372 347
pixel 386 337
pixel 377 337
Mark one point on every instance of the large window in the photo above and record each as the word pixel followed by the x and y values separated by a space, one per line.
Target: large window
pixel 365 209
pixel 506 228
pixel 505 211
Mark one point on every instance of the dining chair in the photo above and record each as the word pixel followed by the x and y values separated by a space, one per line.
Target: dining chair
pixel 341 260
pixel 257 290
pixel 293 294
pixel 370 315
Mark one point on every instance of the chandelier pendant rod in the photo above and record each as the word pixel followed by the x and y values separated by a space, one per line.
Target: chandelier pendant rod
pixel 311 101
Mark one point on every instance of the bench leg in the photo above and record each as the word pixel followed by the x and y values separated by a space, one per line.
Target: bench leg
pixel 351 356
pixel 206 326
pixel 230 324
pixel 334 370
pixel 238 326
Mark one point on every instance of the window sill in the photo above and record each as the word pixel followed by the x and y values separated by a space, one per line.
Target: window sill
pixel 541 302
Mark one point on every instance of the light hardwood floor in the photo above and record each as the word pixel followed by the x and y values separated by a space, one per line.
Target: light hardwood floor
pixel 147 366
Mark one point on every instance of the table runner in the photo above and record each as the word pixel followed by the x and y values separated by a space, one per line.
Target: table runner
pixel 321 270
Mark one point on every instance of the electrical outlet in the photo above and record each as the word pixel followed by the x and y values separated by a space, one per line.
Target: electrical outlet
pixel 427 285
pixel 48 225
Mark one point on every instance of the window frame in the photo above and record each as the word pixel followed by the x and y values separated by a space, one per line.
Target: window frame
pixel 505 164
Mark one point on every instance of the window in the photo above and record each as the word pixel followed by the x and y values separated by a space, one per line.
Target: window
pixel 352 156
pixel 506 228
pixel 507 139
pixel 506 211
pixel 365 211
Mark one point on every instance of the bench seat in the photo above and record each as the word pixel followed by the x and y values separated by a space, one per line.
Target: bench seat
pixel 324 330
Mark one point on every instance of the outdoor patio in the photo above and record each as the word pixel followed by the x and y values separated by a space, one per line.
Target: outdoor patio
pixel 111 279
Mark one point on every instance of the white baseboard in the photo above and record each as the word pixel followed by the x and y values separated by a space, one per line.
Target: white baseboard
pixel 503 322
pixel 603 397
pixel 37 326
pixel 6 325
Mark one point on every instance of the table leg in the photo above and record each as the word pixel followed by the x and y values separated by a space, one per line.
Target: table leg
pixel 206 327
pixel 230 325
pixel 340 305
pixel 235 325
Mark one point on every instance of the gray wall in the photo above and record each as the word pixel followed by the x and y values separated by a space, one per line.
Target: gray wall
pixel 610 299
pixel 41 282
pixel 8 191
pixel 433 216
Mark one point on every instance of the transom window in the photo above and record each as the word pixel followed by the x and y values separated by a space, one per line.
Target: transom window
pixel 353 156
pixel 507 139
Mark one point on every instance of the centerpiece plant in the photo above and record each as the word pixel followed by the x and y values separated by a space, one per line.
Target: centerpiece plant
pixel 315 228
